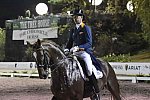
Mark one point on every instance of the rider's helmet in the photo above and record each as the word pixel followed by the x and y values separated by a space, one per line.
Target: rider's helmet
pixel 78 12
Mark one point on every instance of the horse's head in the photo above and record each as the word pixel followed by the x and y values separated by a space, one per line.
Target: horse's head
pixel 38 53
pixel 42 58
pixel 46 53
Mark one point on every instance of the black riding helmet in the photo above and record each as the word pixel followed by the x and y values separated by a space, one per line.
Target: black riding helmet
pixel 78 12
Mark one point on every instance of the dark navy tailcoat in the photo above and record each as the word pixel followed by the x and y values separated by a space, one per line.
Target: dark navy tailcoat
pixel 82 37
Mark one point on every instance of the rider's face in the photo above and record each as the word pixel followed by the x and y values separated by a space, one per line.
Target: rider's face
pixel 77 19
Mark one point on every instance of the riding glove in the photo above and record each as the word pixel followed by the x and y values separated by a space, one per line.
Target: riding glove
pixel 74 49
pixel 66 51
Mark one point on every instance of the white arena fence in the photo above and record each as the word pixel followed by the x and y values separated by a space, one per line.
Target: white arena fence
pixel 133 68
pixel 124 71
pixel 18 65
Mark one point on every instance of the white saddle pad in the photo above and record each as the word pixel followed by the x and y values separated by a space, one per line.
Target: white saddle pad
pixel 98 74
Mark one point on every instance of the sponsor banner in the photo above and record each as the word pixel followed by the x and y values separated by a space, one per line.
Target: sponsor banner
pixel 17 65
pixel 131 68
pixel 34 23
pixel 31 29
pixel 32 34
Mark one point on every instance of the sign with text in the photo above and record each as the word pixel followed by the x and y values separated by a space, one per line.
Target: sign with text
pixel 31 34
pixel 31 29
pixel 131 68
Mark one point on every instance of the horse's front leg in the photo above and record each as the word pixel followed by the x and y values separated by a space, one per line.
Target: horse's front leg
pixel 95 97
pixel 46 72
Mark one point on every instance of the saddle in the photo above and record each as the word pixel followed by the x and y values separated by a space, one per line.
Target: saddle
pixel 88 87
pixel 87 84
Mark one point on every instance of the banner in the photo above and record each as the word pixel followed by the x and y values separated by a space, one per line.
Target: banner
pixel 131 68
pixel 32 34
pixel 31 29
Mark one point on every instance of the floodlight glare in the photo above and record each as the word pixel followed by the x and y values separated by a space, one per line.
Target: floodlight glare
pixel 130 6
pixel 41 8
pixel 96 2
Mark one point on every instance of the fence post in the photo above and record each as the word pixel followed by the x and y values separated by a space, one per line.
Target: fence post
pixel 12 75
pixel 134 80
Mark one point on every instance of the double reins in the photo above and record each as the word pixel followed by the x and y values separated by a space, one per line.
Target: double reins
pixel 47 59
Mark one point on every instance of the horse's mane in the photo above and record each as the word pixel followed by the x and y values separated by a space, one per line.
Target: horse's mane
pixel 51 42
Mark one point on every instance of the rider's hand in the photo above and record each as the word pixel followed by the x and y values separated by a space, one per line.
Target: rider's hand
pixel 66 51
pixel 74 49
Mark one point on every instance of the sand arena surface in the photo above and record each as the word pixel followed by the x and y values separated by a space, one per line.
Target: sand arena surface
pixel 25 88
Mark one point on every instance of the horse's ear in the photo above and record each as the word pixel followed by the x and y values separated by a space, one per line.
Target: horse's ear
pixel 39 42
pixel 28 44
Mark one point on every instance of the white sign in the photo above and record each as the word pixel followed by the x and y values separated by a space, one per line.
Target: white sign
pixel 131 68
pixel 32 34
pixel 31 24
pixel 17 65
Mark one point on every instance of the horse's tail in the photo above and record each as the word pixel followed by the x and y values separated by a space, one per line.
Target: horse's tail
pixel 112 83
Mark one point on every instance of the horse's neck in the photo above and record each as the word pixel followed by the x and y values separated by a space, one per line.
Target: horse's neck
pixel 58 56
pixel 55 53
pixel 67 73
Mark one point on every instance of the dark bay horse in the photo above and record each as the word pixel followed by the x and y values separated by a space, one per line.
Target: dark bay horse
pixel 67 82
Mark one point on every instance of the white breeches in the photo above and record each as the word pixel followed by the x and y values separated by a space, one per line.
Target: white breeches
pixel 87 59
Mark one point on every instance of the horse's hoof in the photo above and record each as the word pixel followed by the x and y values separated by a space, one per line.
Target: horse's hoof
pixel 45 76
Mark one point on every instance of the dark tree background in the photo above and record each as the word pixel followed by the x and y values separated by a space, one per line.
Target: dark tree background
pixel 115 29
pixel 11 9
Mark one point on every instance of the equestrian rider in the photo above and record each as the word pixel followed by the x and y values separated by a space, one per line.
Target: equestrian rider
pixel 80 40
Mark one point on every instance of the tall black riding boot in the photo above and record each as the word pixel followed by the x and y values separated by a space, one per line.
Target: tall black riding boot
pixel 93 82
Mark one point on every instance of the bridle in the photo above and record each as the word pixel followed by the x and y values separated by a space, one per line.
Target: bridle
pixel 47 61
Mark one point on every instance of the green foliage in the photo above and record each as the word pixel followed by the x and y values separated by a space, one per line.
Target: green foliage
pixel 116 22
pixel 142 56
pixel 70 4
pixel 102 45
pixel 131 42
pixel 2 44
pixel 83 2
pixel 15 71
pixel 117 58
pixel 29 54
pixel 142 9
pixel 34 72
pixel 24 72
pixel 110 8
pixel 54 1
pixel 60 1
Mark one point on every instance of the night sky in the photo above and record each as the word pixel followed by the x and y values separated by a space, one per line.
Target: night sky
pixel 11 9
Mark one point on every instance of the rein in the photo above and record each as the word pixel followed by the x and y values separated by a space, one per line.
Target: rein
pixel 47 61
pixel 59 63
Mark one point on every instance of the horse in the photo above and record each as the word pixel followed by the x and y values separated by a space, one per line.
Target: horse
pixel 67 82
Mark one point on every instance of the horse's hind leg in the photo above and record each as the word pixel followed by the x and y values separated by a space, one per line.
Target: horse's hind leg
pixel 113 87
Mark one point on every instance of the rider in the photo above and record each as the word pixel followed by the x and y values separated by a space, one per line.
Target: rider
pixel 80 40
